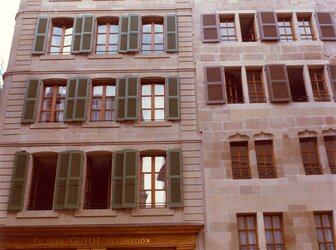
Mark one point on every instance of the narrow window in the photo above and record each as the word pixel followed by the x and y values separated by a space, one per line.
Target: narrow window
pixel 255 86
pixel 297 84
pixel 310 157
pixel 274 231
pixel 234 89
pixel 43 182
pixel 153 182
pixel 319 86
pixel 240 160
pixel 265 159
pixel 227 28
pixel 107 36
pixel 247 28
pixel 152 100
pixel 305 27
pixel 98 180
pixel 325 230
pixel 285 28
pixel 103 101
pixel 152 35
pixel 330 144
pixel 61 37
pixel 247 232
pixel 52 109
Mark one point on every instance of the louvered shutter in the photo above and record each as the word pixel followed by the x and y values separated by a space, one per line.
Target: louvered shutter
pixel 175 178
pixel 130 179
pixel 117 179
pixel 278 83
pixel 61 180
pixel 171 34
pixel 40 36
pixel 173 98
pixel 19 177
pixel 214 79
pixel 210 28
pixel 31 101
pixel 77 35
pixel 131 104
pixel 87 34
pixel 133 33
pixel 326 26
pixel 268 24
pixel 123 34
pixel 120 99
pixel 332 77
pixel 70 100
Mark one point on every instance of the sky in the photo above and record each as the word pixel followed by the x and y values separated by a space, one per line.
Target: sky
pixel 8 11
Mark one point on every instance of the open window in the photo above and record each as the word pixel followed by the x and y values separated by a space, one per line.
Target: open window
pixel 255 85
pixel 318 82
pixel 61 36
pixel 247 27
pixel 107 35
pixel 305 26
pixel 228 28
pixel 297 84
pixel 234 90
pixel 285 25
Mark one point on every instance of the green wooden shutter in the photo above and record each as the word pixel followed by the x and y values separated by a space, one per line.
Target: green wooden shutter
pixel 70 100
pixel 87 34
pixel 175 178
pixel 31 101
pixel 123 34
pixel 130 179
pixel 40 37
pixel 173 98
pixel 120 99
pixel 19 177
pixel 117 179
pixel 77 35
pixel 131 111
pixel 171 44
pixel 69 179
pixel 133 32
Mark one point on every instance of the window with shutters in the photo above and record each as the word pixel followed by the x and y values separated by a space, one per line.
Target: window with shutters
pixel 61 37
pixel 325 230
pixel 43 181
pixel 107 36
pixel 330 144
pixel 153 181
pixel 228 28
pixel 103 100
pixel 319 86
pixel 247 231
pixel 52 106
pixel 265 159
pixel 297 84
pixel 152 35
pixel 152 100
pixel 255 86
pixel 285 27
pixel 234 90
pixel 247 27
pixel 98 180
pixel 305 27
pixel 240 160
pixel 274 232
pixel 310 157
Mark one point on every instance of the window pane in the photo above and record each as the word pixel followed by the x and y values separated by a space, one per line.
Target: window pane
pixel 67 40
pixel 146 102
pixel 158 38
pixel 45 116
pixel 112 49
pixel 60 104
pixel 159 115
pixel 242 238
pixel 252 237
pixel 159 102
pixel 146 115
pixel 95 115
pixel 250 222
pixel 59 116
pixel 146 89
pixel 102 29
pixel 113 39
pixel 159 89
pixel 110 103
pixel 147 181
pixel 147 28
pixel 61 92
pixel 110 90
pixel 146 38
pixel 114 29
pixel 159 163
pixel 109 115
pixel 57 31
pixel 160 181
pixel 56 41
pixel 146 164
pixel 68 31
pixel 160 197
pixel 158 48
pixel 146 48
pixel 47 104
pixel 54 50
pixel 96 104
pixel 158 28
pixel 100 49
pixel 101 39
pixel 49 92
pixel 98 91
pixel 66 50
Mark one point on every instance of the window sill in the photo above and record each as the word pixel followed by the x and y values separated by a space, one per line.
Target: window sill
pixel 51 125
pixel 95 213
pixel 152 212
pixel 105 56
pixel 57 57
pixel 152 55
pixel 153 124
pixel 101 125
pixel 37 214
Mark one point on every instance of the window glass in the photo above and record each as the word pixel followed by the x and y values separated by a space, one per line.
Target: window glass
pixel 152 102
pixel 107 37
pixel 103 102
pixel 152 35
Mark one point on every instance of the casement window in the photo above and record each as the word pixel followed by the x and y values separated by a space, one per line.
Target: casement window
pixel 310 156
pixel 61 37
pixel 255 86
pixel 268 25
pixel 297 84
pixel 332 77
pixel 153 181
pixel 107 36
pixel 319 86
pixel 240 160
pixel 98 180
pixel 103 101
pixel 234 90
pixel 285 27
pixel 330 144
pixel 152 100
pixel 278 83
pixel 274 232
pixel 247 231
pixel 43 181
pixel 265 159
pixel 326 26
pixel 247 28
pixel 52 106
pixel 305 27
pixel 152 35
pixel 227 28
pixel 325 230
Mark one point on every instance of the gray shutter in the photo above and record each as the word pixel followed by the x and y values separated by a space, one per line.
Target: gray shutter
pixel 131 102
pixel 40 37
pixel 278 83
pixel 120 99
pixel 171 43
pixel 175 178
pixel 210 28
pixel 133 43
pixel 117 179
pixel 268 25
pixel 215 81
pixel 70 100
pixel 87 34
pixel 77 35
pixel 326 26
pixel 130 179
pixel 123 34
pixel 173 98
pixel 19 177
pixel 332 77
pixel 31 101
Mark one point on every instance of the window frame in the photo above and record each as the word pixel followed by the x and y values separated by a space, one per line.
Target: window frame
pixel 108 21
pixel 247 230
pixel 254 82
pixel 153 20
pixel 64 24
pixel 284 18
pixel 319 95
pixel 274 245
pixel 227 19
pixel 241 170
pixel 310 169
pixel 323 228
pixel 269 172
pixel 304 16
pixel 331 152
